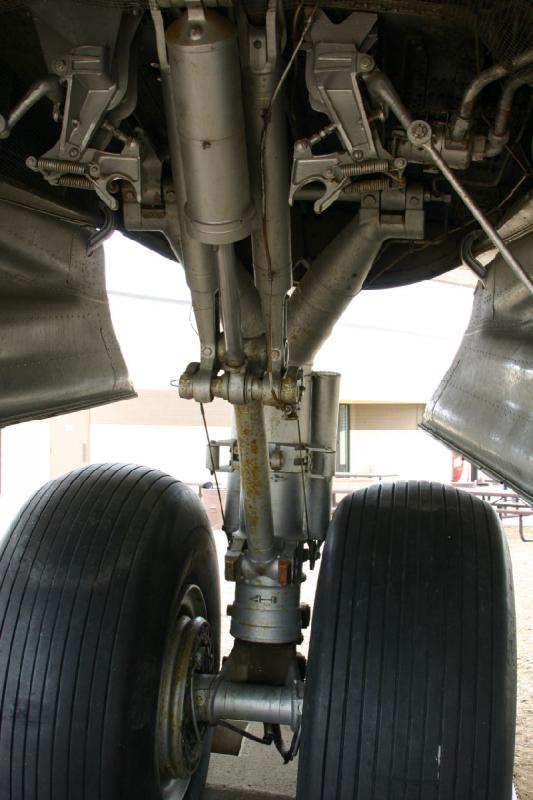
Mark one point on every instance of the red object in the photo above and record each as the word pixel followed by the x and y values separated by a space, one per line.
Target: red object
pixel 458 464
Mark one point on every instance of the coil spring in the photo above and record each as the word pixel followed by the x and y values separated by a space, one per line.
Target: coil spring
pixel 370 185
pixel 74 182
pixel 368 167
pixel 57 165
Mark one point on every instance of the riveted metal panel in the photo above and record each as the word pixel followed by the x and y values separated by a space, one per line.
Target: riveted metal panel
pixel 58 350
pixel 484 405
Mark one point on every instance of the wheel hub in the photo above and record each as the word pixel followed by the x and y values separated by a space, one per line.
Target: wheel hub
pixel 189 650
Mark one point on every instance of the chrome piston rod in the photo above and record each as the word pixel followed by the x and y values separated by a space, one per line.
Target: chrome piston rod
pixel 230 305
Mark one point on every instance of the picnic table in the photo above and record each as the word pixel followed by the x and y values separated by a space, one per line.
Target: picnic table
pixel 506 502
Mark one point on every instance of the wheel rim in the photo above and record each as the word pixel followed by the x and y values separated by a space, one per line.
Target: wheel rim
pixel 180 738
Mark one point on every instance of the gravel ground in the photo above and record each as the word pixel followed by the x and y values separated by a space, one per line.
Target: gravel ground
pixel 522 556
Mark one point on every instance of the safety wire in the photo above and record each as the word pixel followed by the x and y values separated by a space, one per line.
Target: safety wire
pixel 214 473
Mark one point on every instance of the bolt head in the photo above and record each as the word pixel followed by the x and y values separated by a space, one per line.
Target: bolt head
pixel 195 32
pixel 74 152
pixel 366 63
pixel 60 66
pixel 258 44
pixel 94 170
pixel 358 155
pixel 419 133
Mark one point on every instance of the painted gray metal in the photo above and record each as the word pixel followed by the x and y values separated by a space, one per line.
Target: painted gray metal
pixel 58 350
pixel 484 405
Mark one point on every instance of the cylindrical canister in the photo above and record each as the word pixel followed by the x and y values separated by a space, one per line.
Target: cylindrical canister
pixel 205 70
pixel 324 420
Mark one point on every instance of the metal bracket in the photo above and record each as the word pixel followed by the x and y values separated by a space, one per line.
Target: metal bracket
pixel 321 463
pixel 241 386
pixel 195 10
pixel 336 171
pixel 94 169
pixel 336 58
pixel 213 455
pixel 94 88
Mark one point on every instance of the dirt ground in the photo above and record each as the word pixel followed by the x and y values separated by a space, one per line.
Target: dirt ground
pixel 522 556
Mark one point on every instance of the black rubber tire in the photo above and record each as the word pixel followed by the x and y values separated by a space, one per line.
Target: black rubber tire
pixel 89 572
pixel 411 682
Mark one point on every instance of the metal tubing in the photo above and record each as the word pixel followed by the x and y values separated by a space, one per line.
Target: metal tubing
pixel 422 137
pixel 47 87
pixel 481 219
pixel 506 101
pixel 198 259
pixel 230 305
pixel 488 76
pixel 269 171
pixel 255 481
pixel 217 699
pixel 380 87
pixel 332 282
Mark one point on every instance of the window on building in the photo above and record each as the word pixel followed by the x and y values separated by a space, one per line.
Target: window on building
pixel 343 439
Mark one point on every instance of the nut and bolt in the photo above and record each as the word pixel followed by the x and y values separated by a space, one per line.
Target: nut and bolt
pixel 400 163
pixel 419 133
